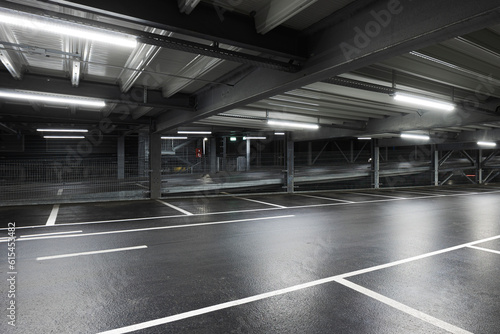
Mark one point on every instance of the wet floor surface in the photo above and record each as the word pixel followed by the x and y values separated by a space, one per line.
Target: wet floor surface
pixel 389 261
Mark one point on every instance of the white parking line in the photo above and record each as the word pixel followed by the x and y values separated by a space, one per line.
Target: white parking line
pixel 326 198
pixel 485 249
pixel 377 195
pixel 153 228
pixel 404 308
pixel 251 210
pixel 53 257
pixel 255 201
pixel 187 213
pixel 47 234
pixel 338 278
pixel 424 194
pixel 53 215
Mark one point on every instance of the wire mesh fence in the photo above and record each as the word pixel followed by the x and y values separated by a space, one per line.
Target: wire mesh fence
pixel 40 181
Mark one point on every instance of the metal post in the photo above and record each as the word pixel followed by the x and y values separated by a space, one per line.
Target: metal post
pixel 155 165
pixel 143 154
pixel 290 166
pixel 309 153
pixel 479 166
pixel 352 151
pixel 224 153
pixel 376 166
pixel 213 155
pixel 248 155
pixel 121 157
pixel 436 167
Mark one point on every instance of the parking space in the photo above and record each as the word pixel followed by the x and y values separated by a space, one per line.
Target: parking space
pixel 315 262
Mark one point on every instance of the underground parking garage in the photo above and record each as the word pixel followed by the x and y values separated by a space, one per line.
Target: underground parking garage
pixel 250 166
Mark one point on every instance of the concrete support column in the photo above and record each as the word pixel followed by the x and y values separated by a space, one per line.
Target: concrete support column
pixel 290 164
pixel 248 155
pixel 121 157
pixel 155 166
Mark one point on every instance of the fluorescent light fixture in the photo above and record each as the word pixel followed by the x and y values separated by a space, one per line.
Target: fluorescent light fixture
pixel 173 137
pixel 194 132
pixel 364 138
pixel 279 133
pixel 487 143
pixel 62 130
pixel 255 138
pixel 414 136
pixel 38 23
pixel 232 138
pixel 424 102
pixel 289 124
pixel 45 97
pixel 64 137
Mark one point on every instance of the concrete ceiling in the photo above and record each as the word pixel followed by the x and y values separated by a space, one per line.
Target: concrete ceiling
pixel 231 65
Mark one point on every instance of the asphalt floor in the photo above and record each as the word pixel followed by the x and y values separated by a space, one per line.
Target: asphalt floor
pixel 409 260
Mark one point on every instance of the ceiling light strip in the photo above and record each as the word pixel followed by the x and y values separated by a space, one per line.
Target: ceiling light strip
pixel 37 23
pixel 44 97
pixel 290 124
pixel 64 137
pixel 62 130
pixel 415 136
pixel 194 132
pixel 487 143
pixel 424 102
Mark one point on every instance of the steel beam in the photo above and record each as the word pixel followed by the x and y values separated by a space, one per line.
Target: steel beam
pixel 209 21
pixel 344 47
pixel 107 92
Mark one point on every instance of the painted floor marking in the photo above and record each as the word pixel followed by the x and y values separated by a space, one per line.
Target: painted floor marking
pixel 187 213
pixel 485 249
pixel 326 198
pixel 404 308
pixel 55 210
pixel 255 201
pixel 154 228
pixel 425 194
pixel 415 258
pixel 377 195
pixel 53 215
pixel 53 257
pixel 47 234
pixel 252 210
pixel 338 278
